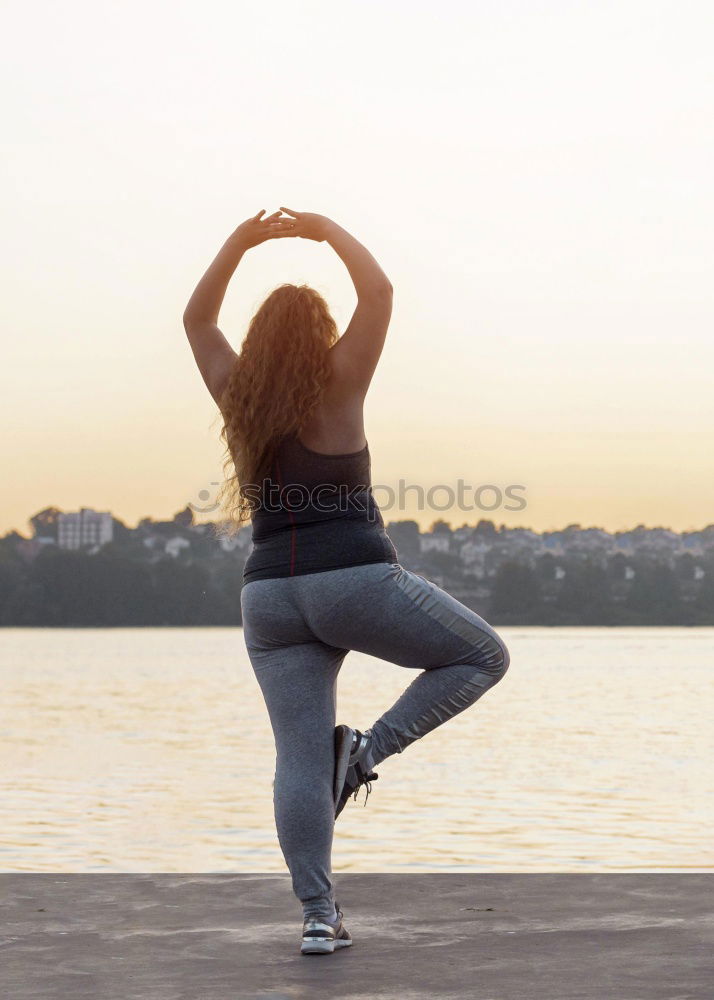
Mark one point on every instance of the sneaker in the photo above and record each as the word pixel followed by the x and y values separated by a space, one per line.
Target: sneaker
pixel 321 938
pixel 353 765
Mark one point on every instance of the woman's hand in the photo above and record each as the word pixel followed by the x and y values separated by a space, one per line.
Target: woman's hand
pixel 308 225
pixel 255 230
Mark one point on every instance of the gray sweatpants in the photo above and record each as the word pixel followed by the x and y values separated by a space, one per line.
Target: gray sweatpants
pixel 298 631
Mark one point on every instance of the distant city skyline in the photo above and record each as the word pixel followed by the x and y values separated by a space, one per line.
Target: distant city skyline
pixel 86 567
pixel 85 524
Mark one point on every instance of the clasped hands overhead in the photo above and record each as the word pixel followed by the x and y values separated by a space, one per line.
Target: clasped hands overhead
pixel 257 230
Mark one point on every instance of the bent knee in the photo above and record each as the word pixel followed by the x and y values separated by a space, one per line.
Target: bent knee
pixel 505 657
pixel 489 658
pixel 498 659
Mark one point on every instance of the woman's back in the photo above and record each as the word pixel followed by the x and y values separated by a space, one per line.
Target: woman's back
pixel 315 512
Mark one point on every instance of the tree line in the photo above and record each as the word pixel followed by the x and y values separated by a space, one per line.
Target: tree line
pixel 120 586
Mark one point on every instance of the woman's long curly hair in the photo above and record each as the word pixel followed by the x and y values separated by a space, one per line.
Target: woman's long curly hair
pixel 274 386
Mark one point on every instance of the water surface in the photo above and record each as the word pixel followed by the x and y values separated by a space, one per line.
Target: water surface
pixel 151 750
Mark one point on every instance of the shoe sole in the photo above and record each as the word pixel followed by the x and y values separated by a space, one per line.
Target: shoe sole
pixel 343 745
pixel 322 946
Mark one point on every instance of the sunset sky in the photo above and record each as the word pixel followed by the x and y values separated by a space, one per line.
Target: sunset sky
pixel 534 177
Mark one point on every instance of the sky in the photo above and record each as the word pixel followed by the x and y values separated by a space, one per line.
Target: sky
pixel 534 178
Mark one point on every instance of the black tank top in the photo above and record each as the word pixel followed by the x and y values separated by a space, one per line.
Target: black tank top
pixel 316 512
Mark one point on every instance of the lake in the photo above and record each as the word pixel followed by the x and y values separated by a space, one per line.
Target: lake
pixel 151 750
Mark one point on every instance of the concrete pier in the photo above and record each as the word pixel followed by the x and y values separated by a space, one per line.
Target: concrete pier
pixel 237 937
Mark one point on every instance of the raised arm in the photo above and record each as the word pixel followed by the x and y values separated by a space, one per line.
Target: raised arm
pixel 357 352
pixel 214 355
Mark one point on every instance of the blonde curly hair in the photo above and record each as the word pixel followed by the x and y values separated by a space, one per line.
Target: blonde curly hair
pixel 274 385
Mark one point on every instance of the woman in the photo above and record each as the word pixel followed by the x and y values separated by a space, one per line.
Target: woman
pixel 323 576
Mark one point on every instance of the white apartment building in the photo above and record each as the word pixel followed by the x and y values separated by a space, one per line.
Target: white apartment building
pixel 439 542
pixel 84 527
